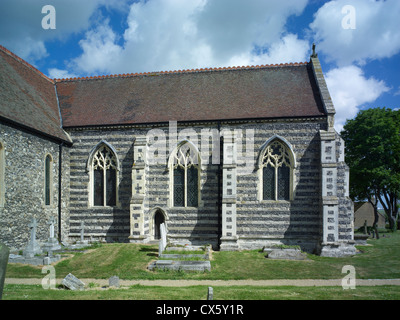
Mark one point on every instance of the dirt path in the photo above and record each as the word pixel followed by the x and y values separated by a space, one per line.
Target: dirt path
pixel 217 283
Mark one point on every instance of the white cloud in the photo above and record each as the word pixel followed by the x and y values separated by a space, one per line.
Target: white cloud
pixel 181 34
pixel 234 27
pixel 55 73
pixel 376 34
pixel 21 23
pixel 285 50
pixel 350 89
pixel 100 50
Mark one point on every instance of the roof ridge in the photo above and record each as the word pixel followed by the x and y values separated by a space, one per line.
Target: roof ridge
pixel 27 64
pixel 184 71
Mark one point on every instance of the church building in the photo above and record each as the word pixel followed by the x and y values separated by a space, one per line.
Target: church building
pixel 236 157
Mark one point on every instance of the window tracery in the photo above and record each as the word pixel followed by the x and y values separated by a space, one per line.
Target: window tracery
pixel 104 166
pixel 185 176
pixel 276 172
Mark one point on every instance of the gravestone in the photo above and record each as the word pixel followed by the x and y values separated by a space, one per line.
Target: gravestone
pixel 33 247
pixel 163 240
pixel 210 294
pixel 73 283
pixel 113 282
pixel 180 265
pixel 83 241
pixel 287 254
pixel 46 261
pixel 4 253
pixel 163 232
pixel 52 243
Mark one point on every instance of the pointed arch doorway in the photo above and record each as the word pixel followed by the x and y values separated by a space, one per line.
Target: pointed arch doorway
pixel 157 216
pixel 158 220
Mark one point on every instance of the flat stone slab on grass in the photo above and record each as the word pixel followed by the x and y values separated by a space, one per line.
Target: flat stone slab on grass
pixel 187 248
pixel 287 254
pixel 36 260
pixel 361 239
pixel 183 256
pixel 181 265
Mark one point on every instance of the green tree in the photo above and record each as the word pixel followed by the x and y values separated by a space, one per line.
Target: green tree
pixel 373 154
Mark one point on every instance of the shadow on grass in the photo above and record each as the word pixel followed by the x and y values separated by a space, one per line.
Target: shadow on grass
pixel 151 251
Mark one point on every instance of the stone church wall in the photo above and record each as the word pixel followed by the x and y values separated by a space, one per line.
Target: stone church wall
pixel 113 223
pixel 296 222
pixel 100 223
pixel 199 225
pixel 24 196
pixel 257 222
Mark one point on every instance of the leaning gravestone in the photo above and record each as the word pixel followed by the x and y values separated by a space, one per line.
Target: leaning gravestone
pixel 163 240
pixel 4 253
pixel 33 247
pixel 163 231
pixel 73 283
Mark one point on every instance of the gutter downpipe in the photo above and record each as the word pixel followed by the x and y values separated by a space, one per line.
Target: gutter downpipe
pixel 60 149
pixel 219 185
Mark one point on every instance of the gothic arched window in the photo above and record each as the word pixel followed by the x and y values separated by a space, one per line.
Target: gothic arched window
pixel 48 178
pixel 104 177
pixel 277 168
pixel 185 177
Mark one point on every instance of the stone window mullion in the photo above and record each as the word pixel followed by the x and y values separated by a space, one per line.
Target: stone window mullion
pixel 185 186
pixel 276 183
pixel 104 187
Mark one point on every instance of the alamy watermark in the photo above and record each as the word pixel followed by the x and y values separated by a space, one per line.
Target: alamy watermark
pixel 49 20
pixel 349 281
pixel 206 142
pixel 49 281
pixel 349 21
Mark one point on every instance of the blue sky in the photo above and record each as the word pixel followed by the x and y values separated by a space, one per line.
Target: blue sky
pixel 359 49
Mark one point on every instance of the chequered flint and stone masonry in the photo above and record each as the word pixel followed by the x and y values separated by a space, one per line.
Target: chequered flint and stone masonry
pixel 247 221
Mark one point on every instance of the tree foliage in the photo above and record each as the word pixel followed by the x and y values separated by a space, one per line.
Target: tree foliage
pixel 373 154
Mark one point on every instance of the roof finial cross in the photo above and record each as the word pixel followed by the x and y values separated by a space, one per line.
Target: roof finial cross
pixel 314 54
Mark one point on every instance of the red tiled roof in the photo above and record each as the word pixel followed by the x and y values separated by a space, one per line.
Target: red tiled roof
pixel 27 97
pixel 274 91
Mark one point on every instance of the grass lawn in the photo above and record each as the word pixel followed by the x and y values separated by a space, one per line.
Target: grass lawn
pixel 138 292
pixel 379 260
